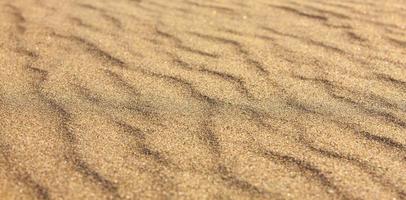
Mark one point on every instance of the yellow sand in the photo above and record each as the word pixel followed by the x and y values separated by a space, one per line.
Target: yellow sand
pixel 193 99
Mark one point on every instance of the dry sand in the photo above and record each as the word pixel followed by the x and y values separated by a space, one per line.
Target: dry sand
pixel 193 99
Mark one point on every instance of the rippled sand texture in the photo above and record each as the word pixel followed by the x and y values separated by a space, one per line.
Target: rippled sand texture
pixel 189 99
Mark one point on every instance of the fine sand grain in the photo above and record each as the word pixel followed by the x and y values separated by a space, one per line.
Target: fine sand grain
pixel 193 99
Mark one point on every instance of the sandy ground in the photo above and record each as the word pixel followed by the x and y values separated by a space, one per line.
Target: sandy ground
pixel 193 99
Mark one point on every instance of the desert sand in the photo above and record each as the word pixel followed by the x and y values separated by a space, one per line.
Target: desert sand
pixel 193 99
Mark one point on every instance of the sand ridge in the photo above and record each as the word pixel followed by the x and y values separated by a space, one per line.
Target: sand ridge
pixel 193 99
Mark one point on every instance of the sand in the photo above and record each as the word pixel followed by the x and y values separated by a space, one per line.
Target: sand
pixel 193 99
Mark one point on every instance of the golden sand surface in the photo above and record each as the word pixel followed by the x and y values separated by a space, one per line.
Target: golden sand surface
pixel 193 99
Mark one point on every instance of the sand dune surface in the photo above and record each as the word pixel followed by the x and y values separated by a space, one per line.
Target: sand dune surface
pixel 193 99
